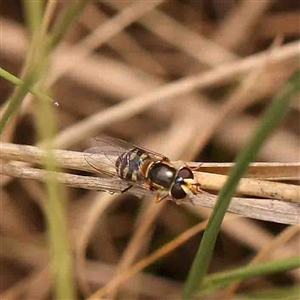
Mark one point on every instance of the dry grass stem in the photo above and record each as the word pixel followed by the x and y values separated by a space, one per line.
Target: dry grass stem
pixel 142 264
pixel 264 209
pixel 188 41
pixel 99 36
pixel 96 210
pixel 48 16
pixel 125 45
pixel 76 160
pixel 272 24
pixel 96 273
pixel 246 14
pixel 39 278
pixel 265 171
pixel 252 187
pixel 127 109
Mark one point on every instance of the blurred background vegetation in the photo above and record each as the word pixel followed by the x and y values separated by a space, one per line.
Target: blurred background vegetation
pixel 106 64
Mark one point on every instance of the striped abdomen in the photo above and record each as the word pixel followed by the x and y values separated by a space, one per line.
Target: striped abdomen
pixel 129 164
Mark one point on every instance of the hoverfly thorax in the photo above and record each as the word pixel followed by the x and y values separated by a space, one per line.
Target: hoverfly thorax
pixel 161 174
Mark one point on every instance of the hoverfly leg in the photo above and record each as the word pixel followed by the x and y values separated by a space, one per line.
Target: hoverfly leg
pixel 197 168
pixel 178 202
pixel 126 189
pixel 159 199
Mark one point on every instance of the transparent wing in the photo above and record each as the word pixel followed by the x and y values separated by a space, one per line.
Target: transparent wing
pixel 122 146
pixel 111 143
pixel 102 160
pixel 103 155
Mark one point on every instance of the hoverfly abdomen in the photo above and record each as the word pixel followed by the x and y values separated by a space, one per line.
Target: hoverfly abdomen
pixel 129 163
pixel 121 167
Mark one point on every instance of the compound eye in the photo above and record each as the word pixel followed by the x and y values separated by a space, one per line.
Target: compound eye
pixel 185 173
pixel 177 192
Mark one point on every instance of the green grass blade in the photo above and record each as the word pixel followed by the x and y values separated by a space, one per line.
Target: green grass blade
pixel 33 11
pixel 223 279
pixel 35 63
pixel 67 18
pixel 55 206
pixel 16 81
pixel 274 115
pixel 290 293
pixel 55 209
pixel 16 99
pixel 33 15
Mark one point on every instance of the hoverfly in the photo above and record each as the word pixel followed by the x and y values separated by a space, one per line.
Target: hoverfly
pixel 140 166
